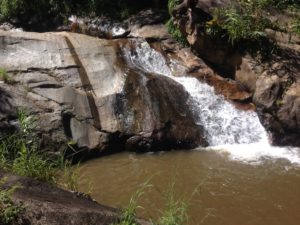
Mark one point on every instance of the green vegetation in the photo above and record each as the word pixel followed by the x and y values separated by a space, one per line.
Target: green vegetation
pixel 175 212
pixel 244 24
pixel 9 211
pixel 238 26
pixel 70 176
pixel 5 77
pixel 175 33
pixel 129 214
pixel 40 14
pixel 296 26
pixel 20 153
pixel 172 4
pixel 172 28
pixel 248 20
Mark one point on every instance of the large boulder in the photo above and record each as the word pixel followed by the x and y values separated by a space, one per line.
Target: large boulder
pixel 80 88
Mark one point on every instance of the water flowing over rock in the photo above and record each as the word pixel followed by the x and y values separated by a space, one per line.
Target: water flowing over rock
pixel 81 89
pixel 221 121
pixel 271 81
pixel 124 94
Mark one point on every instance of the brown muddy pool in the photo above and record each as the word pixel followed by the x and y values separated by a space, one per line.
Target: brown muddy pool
pixel 229 192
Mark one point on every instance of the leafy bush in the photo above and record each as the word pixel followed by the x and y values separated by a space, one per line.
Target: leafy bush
pixel 9 211
pixel 39 14
pixel 247 20
pixel 42 14
pixel 241 26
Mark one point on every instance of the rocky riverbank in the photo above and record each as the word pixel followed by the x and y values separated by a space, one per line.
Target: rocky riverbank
pixel 274 83
pixel 45 204
pixel 81 89
pixel 84 90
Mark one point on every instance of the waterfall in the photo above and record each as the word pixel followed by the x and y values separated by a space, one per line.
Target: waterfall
pixel 226 128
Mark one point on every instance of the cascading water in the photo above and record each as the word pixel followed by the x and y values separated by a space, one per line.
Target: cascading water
pixel 223 123
pixel 226 127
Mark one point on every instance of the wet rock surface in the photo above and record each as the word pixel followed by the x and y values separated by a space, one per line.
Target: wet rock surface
pixel 80 89
pixel 274 83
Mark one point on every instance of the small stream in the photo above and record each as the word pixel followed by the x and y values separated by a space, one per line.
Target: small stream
pixel 240 177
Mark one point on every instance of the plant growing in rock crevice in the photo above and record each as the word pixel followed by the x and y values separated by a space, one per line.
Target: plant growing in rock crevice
pixel 5 77
pixel 21 154
pixel 175 32
pixel 172 4
pixel 172 28
pixel 10 212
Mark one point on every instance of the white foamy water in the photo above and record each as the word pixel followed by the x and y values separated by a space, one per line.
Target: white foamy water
pixel 226 128
pixel 256 152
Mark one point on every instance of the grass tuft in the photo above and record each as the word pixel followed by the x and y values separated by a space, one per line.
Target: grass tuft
pixel 128 216
pixel 20 153
pixel 5 77
pixel 10 212
pixel 175 212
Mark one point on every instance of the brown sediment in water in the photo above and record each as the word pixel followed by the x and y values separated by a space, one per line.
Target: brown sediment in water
pixel 229 192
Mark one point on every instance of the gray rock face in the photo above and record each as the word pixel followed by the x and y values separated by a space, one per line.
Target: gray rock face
pixel 246 74
pixel 289 111
pixel 81 89
pixel 267 91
